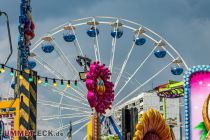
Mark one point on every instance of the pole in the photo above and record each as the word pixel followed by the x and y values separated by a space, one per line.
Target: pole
pixel 164 107
pixel 115 128
pixel 9 34
pixel 96 126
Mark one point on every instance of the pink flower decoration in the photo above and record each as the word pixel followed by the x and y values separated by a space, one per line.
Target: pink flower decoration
pixel 100 90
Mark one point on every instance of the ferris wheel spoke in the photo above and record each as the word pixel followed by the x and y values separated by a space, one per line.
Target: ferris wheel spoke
pixel 64 58
pixel 50 69
pixel 77 48
pixel 125 61
pixel 81 91
pixel 150 38
pixel 36 45
pixel 82 88
pixel 57 74
pixel 85 104
pixel 60 93
pixel 59 27
pixel 169 53
pixel 80 129
pixel 45 65
pixel 85 138
pixel 124 65
pixel 55 104
pixel 77 44
pixel 59 109
pixel 67 108
pixel 96 41
pixel 80 94
pixel 147 81
pixel 80 97
pixel 74 109
pixel 47 104
pixel 65 116
pixel 134 73
pixel 73 124
pixel 114 42
pixel 62 104
pixel 123 76
pixel 95 51
pixel 129 76
pixel 185 64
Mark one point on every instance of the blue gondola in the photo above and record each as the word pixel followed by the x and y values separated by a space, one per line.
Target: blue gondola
pixel 31 64
pixel 160 53
pixel 69 37
pixel 117 33
pixel 48 48
pixel 140 41
pixel 177 70
pixel 92 32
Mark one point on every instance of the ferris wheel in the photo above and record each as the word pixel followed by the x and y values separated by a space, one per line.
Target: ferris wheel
pixel 136 56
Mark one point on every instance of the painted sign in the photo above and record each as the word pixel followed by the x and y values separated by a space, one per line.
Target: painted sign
pixel 6 125
pixel 2 130
pixel 197 95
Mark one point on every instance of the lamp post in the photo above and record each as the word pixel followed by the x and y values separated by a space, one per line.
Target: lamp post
pixel 9 35
pixel 84 62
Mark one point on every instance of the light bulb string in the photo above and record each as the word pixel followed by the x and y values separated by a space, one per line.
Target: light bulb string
pixel 39 76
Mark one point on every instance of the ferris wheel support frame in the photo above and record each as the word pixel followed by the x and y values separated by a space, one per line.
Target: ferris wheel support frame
pixel 97 52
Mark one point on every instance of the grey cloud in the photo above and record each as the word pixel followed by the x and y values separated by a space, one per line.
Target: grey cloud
pixel 49 8
pixel 199 9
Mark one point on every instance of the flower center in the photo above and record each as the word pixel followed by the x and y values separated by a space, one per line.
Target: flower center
pixel 100 86
pixel 151 136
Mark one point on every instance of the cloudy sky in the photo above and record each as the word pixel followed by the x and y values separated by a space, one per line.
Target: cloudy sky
pixel 183 23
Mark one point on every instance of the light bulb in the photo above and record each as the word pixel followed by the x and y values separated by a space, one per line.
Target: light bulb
pixel 75 83
pixel 68 85
pixel 62 84
pixel 30 79
pixel 11 72
pixel 54 83
pixel 21 75
pixel 46 81
pixel 2 69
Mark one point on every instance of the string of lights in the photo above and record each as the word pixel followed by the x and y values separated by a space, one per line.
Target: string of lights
pixel 40 79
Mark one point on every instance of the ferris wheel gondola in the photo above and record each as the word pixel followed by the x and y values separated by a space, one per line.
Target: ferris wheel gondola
pixel 69 36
